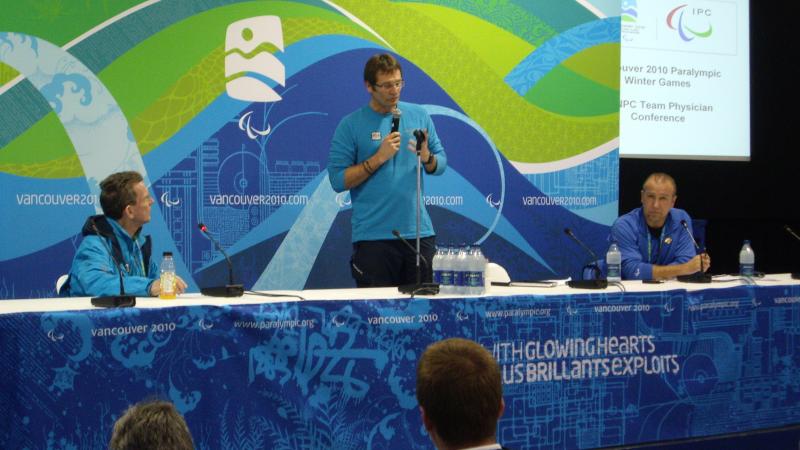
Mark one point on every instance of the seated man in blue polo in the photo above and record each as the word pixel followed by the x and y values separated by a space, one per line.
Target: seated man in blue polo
pixel 653 242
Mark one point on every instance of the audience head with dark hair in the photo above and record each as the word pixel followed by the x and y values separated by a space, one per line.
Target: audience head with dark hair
pixel 460 394
pixel 151 425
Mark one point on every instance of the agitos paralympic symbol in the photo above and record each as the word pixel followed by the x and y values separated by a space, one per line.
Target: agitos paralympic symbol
pixel 677 20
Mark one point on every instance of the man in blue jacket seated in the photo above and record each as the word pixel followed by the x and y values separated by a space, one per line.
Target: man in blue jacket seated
pixel 653 242
pixel 113 242
pixel 365 157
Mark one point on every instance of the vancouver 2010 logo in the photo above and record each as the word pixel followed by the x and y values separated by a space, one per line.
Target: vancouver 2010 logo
pixel 677 20
pixel 630 12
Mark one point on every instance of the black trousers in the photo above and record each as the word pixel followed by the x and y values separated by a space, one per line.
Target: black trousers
pixel 390 262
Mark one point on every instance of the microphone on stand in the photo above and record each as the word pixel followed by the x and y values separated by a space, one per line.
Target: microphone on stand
pixel 697 277
pixel 229 290
pixel 791 232
pixel 419 135
pixel 795 275
pixel 597 283
pixel 396 113
pixel 112 301
pixel 419 287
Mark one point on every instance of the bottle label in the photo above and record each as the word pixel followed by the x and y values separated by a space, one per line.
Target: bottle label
pixel 437 276
pixel 613 271
pixel 475 279
pixel 747 269
pixel 446 278
pixel 167 285
pixel 458 278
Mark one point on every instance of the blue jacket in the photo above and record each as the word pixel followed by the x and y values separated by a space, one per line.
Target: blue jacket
pixel 640 251
pixel 386 201
pixel 94 272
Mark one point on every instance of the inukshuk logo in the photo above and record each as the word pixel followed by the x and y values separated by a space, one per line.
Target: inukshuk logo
pixel 683 19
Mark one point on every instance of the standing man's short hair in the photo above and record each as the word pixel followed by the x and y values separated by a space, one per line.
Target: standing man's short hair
pixel 116 193
pixel 459 389
pixel 151 425
pixel 382 62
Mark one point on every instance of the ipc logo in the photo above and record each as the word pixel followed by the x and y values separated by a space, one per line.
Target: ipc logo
pixel 689 21
pixel 167 201
pixel 491 202
pixel 343 199
pixel 250 66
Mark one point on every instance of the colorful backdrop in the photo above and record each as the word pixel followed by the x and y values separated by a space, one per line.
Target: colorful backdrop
pixel 228 109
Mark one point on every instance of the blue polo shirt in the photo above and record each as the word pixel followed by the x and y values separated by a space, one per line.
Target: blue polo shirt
pixel 386 201
pixel 640 250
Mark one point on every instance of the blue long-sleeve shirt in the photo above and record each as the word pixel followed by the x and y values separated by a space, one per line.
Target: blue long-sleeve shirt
pixel 386 200
pixel 94 272
pixel 641 251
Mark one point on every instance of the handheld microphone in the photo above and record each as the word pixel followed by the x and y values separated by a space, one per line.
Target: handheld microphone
pixel 229 290
pixel 598 283
pixel 697 277
pixel 419 287
pixel 112 301
pixel 396 113
pixel 795 275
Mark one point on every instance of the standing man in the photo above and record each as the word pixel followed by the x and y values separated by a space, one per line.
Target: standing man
pixel 653 242
pixel 365 158
pixel 113 242
pixel 460 395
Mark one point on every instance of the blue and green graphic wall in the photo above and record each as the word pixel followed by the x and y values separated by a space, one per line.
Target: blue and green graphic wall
pixel 228 108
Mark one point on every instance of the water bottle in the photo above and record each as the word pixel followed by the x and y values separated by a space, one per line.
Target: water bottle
pixel 747 260
pixel 477 272
pixel 456 268
pixel 438 265
pixel 446 283
pixel 167 277
pixel 614 263
pixel 469 272
pixel 460 270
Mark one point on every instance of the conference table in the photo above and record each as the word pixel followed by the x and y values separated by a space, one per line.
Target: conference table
pixel 335 369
